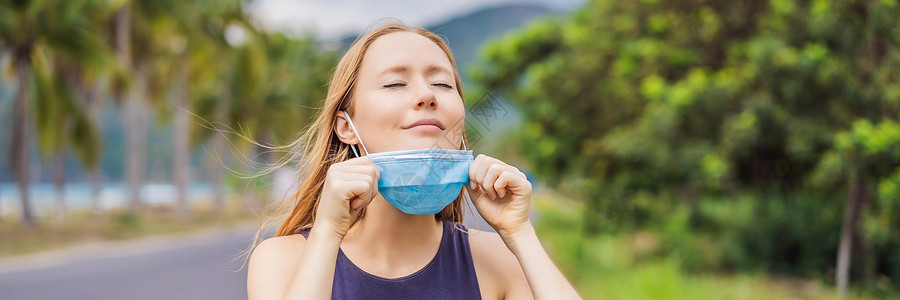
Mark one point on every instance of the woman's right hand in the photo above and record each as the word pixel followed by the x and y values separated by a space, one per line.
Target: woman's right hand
pixel 349 186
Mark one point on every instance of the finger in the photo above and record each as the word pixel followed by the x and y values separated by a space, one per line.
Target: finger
pixel 366 199
pixel 474 191
pixel 482 170
pixel 493 171
pixel 519 184
pixel 357 177
pixel 477 197
pixel 358 203
pixel 366 161
pixel 347 180
pixel 356 188
pixel 361 169
pixel 473 170
pixel 376 174
pixel 363 194
pixel 374 190
pixel 509 181
pixel 357 160
pixel 500 184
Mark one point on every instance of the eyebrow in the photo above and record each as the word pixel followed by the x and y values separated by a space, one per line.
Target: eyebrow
pixel 403 69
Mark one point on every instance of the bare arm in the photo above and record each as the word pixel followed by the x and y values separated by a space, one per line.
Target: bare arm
pixel 291 268
pixel 544 278
pixel 502 195
pixel 276 271
pixel 315 272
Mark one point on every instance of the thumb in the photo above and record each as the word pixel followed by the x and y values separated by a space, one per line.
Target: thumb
pixel 476 195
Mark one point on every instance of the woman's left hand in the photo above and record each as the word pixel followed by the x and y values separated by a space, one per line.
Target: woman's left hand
pixel 501 193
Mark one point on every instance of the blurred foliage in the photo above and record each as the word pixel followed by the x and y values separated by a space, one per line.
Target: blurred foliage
pixel 659 264
pixel 56 58
pixel 257 84
pixel 748 117
pixel 200 71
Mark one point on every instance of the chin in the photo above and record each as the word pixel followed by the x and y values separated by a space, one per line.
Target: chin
pixel 410 143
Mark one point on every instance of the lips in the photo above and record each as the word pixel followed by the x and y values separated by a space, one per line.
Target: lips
pixel 433 122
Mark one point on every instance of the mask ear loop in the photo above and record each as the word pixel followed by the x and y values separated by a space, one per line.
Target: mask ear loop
pixel 465 190
pixel 357 135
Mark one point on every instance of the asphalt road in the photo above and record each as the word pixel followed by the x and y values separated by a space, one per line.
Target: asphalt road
pixel 198 266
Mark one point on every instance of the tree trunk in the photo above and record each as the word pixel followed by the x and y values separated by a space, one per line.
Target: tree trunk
pixel 59 180
pixel 95 111
pixel 858 196
pixel 123 35
pixel 132 112
pixel 181 162
pixel 134 120
pixel 18 154
pixel 217 171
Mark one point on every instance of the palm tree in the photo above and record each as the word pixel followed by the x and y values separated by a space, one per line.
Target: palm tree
pixel 178 56
pixel 63 122
pixel 34 43
pixel 93 95
pixel 197 66
pixel 296 75
pixel 127 93
pixel 142 84
pixel 212 107
pixel 270 80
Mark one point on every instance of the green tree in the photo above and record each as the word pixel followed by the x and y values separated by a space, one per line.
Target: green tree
pixel 146 37
pixel 271 82
pixel 696 98
pixel 862 154
pixel 44 55
pixel 201 25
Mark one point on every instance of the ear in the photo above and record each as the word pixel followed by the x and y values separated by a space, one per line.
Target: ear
pixel 343 130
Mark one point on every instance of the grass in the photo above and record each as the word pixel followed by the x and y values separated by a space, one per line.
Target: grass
pixel 630 265
pixel 86 227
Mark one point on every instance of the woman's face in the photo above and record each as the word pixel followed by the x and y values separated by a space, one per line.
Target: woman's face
pixel 405 97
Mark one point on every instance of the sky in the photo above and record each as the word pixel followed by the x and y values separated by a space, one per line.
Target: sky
pixel 333 19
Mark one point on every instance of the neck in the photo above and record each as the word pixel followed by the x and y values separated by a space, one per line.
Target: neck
pixel 389 234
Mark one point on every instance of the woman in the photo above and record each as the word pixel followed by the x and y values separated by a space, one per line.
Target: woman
pixel 396 89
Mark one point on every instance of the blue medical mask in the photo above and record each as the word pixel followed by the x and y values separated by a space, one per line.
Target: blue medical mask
pixel 419 181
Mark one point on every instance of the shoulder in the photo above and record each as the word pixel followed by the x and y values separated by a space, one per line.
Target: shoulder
pixel 484 241
pixel 276 250
pixel 271 264
pixel 280 243
pixel 498 270
pixel 489 250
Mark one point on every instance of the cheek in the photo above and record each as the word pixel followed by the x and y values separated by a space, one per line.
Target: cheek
pixel 384 112
pixel 379 104
pixel 456 110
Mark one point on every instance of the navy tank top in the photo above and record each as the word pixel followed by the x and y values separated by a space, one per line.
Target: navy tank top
pixel 449 275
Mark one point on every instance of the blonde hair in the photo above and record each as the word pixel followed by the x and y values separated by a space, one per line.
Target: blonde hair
pixel 319 147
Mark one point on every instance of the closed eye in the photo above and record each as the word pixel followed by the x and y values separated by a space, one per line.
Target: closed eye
pixel 394 85
pixel 443 85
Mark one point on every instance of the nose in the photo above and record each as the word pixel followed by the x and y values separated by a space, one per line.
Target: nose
pixel 426 99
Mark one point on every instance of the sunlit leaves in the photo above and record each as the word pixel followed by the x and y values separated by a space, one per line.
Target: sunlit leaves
pixel 661 96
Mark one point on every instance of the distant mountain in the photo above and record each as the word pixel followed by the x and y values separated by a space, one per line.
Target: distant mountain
pixel 467 34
